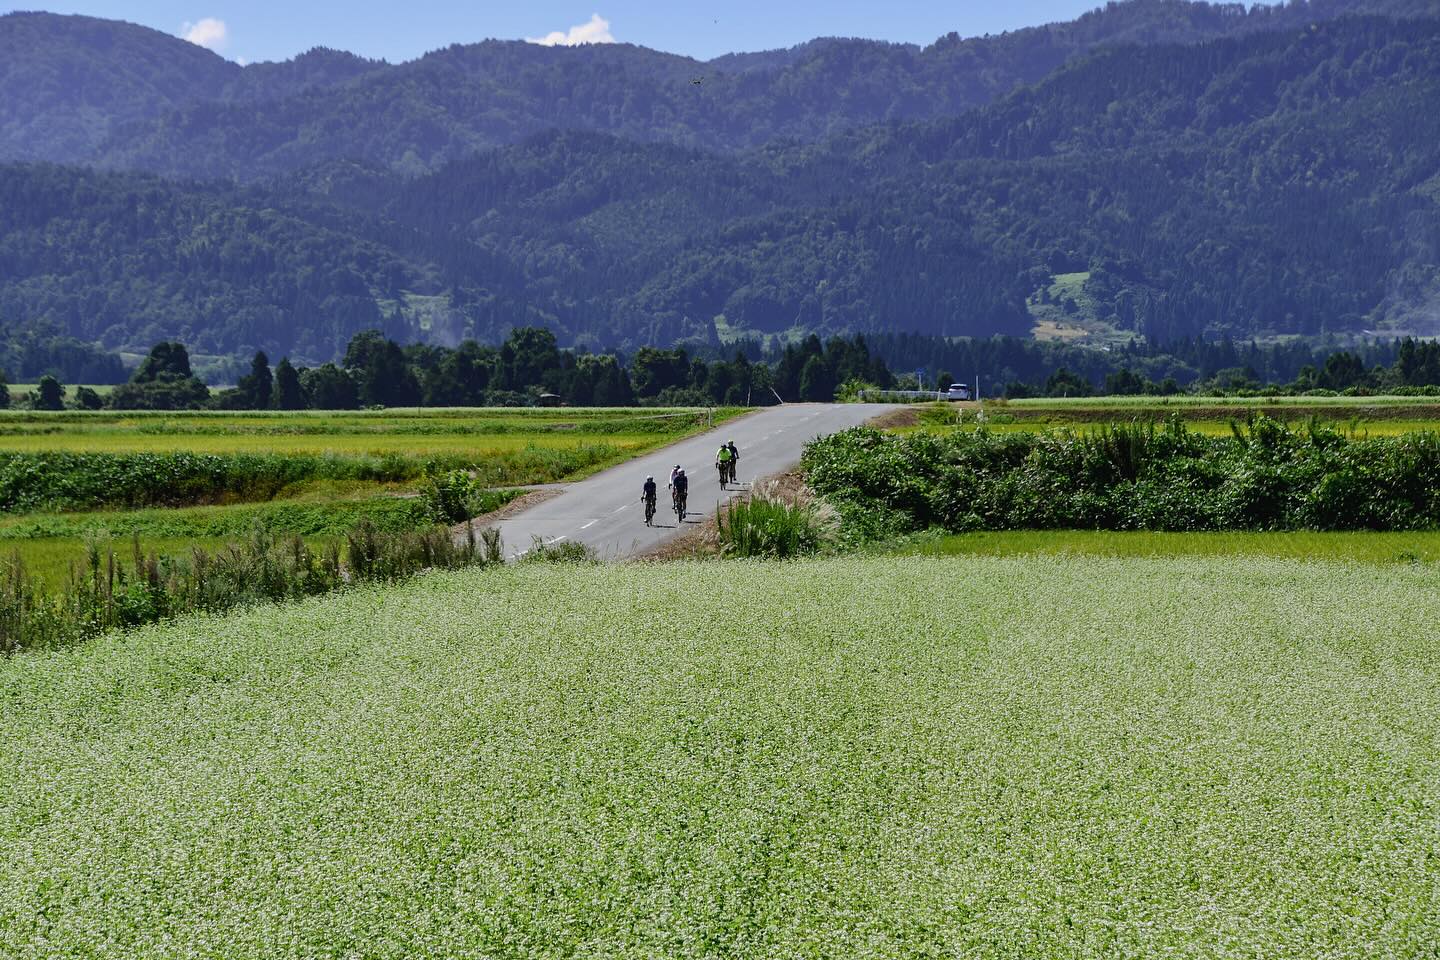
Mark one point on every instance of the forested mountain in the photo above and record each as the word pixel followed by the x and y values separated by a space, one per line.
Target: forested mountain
pixel 81 90
pixel 1271 182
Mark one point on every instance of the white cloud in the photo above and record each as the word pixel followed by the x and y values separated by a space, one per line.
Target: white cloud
pixel 597 30
pixel 209 33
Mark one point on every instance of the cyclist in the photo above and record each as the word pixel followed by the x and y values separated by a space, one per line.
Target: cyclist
pixel 680 488
pixel 673 471
pixel 647 496
pixel 723 461
pixel 734 459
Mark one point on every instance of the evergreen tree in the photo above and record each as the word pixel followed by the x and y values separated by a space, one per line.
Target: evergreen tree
pixel 168 360
pixel 817 382
pixel 49 394
pixel 289 395
pixel 381 372
pixel 330 388
pixel 256 387
pixel 87 399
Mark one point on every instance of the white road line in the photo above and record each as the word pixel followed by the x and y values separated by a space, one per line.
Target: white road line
pixel 587 526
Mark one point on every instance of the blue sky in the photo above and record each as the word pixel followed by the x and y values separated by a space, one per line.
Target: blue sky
pixel 251 30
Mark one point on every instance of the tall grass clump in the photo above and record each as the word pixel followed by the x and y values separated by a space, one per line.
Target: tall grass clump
pixel 105 591
pixel 1138 476
pixel 558 551
pixel 771 525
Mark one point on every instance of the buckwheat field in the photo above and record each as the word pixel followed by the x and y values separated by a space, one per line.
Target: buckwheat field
pixel 862 757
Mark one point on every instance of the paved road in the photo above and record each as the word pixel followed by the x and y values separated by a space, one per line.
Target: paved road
pixel 604 511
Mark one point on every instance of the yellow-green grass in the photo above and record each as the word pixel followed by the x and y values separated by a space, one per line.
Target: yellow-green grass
pixel 1381 419
pixel 1189 400
pixel 101 388
pixel 413 445
pixel 1214 428
pixel 52 559
pixel 1367 547
pixel 892 757
pixel 417 433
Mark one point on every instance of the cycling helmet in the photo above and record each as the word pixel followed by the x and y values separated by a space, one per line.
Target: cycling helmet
pixel 648 479
pixel 682 473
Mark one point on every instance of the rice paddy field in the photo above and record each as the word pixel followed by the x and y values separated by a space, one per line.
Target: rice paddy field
pixel 1358 416
pixel 507 448
pixel 477 433
pixel 889 757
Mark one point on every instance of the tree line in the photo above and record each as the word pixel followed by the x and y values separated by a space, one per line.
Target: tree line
pixel 529 368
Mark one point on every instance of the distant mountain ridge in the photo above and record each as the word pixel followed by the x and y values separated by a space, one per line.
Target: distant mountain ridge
pixel 78 90
pixel 1274 183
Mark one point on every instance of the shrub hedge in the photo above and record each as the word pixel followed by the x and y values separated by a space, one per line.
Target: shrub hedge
pixel 1139 476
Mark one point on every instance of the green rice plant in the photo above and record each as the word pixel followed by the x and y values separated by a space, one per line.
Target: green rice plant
pixel 307 519
pixel 71 481
pixel 769 525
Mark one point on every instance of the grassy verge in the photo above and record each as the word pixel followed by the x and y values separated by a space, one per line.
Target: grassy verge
pixel 1210 416
pixel 1366 547
pixel 50 545
pixel 879 757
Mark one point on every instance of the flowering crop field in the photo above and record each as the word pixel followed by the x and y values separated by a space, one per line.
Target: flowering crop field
pixel 858 757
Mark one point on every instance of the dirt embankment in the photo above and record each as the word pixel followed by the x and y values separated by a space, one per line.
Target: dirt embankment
pixel 531 498
pixel 896 419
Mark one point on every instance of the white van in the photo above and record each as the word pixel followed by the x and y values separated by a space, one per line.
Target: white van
pixel 959 391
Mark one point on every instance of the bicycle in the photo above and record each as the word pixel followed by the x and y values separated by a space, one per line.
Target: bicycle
pixel 649 511
pixel 680 504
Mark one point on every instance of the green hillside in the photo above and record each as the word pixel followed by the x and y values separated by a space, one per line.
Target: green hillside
pixel 1278 185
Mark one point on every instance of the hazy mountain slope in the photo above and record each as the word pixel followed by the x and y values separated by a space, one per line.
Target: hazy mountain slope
pixel 77 90
pixel 66 82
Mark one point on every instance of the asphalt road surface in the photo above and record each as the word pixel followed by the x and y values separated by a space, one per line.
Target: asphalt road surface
pixel 604 512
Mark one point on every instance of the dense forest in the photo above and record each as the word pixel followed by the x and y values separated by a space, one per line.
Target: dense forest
pixel 1172 173
pixel 82 90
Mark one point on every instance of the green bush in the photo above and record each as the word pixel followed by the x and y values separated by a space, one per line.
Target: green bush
pixel 1129 477
pixel 766 525
pixel 454 496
